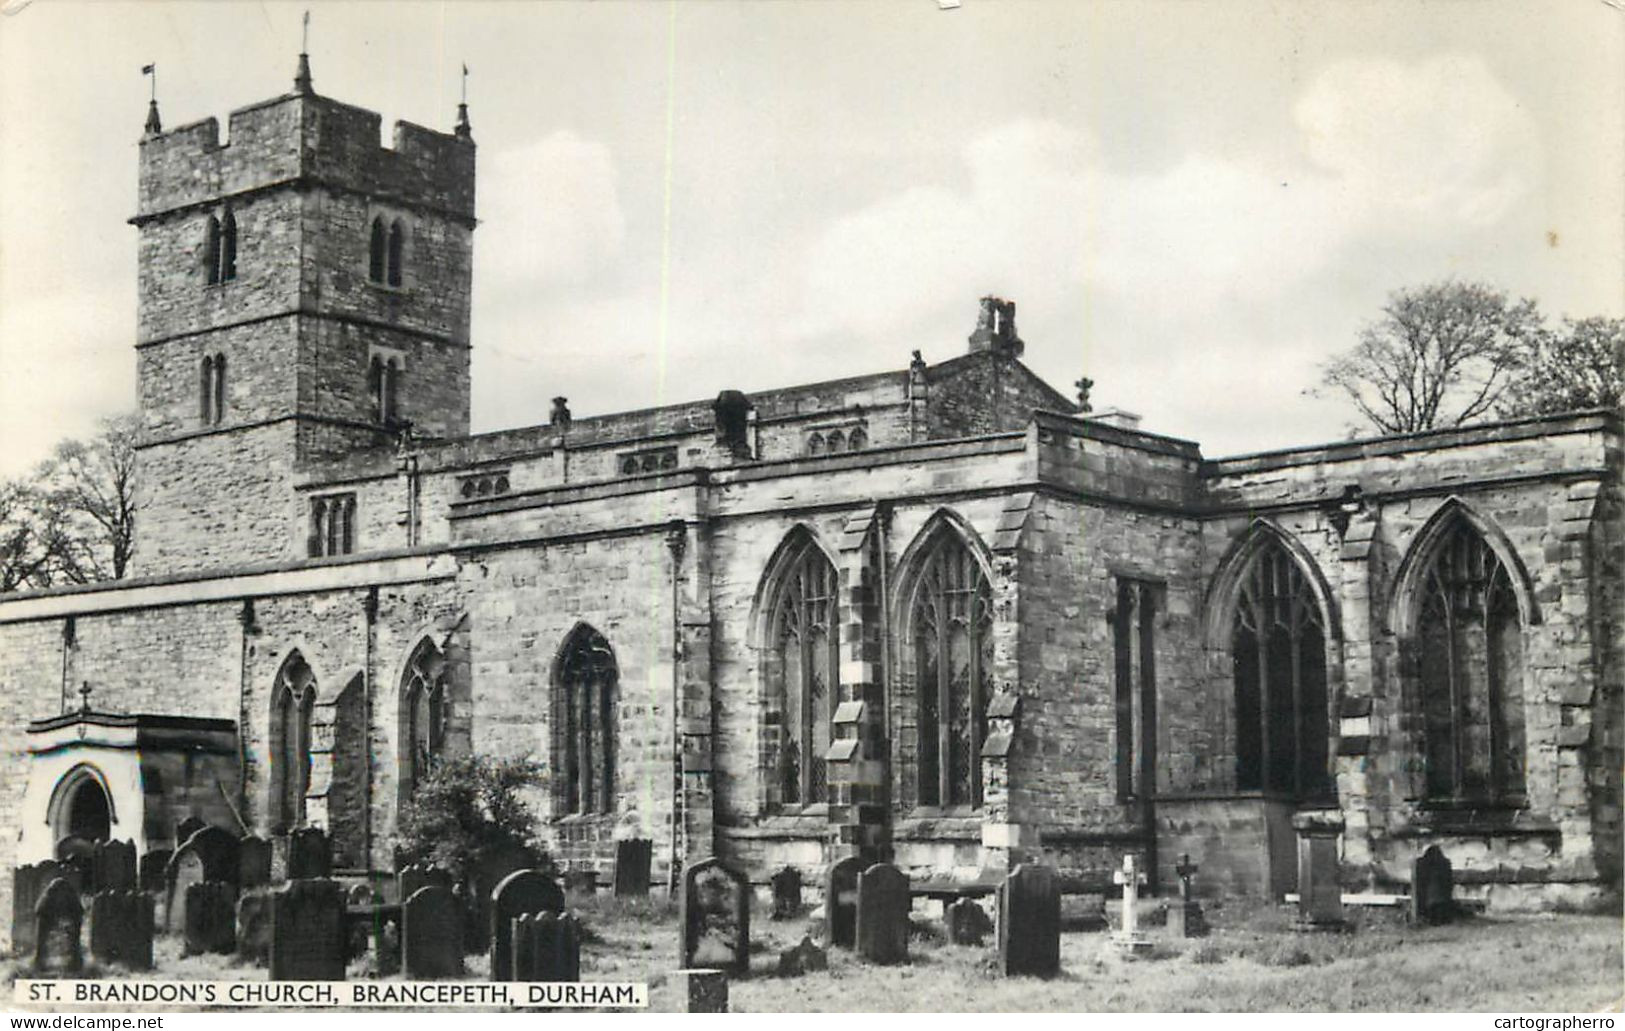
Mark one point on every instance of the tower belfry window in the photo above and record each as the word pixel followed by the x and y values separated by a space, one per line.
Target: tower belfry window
pixel 383 386
pixel 397 243
pixel 211 257
pixel 375 260
pixel 228 248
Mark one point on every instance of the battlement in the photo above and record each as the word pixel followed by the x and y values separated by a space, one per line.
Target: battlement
pixel 305 139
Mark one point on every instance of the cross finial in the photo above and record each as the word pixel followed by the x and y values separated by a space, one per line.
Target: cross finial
pixel 84 696
pixel 1084 385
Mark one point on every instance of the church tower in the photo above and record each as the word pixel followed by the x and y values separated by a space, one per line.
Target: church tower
pixel 303 294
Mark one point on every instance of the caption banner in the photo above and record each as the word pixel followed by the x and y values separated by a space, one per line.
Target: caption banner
pixel 320 994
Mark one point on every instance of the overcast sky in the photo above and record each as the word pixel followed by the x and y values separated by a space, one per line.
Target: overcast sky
pixel 1193 203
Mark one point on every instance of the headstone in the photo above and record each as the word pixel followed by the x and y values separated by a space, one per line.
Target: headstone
pixel 432 934
pixel 386 944
pixel 186 828
pixel 219 852
pixel 253 862
pixel 581 881
pixel 211 918
pixel 547 947
pixel 113 866
pixel 883 905
pixel 1320 889
pixel 1432 888
pixel 307 931
pixel 361 895
pixel 1132 878
pixel 521 892
pixel 701 991
pixel 420 875
pixel 57 919
pixel 1185 917
pixel 121 929
pixel 493 864
pixel 79 853
pixel 186 868
pixel 968 923
pixel 802 958
pixel 841 902
pixel 714 919
pixel 151 869
pixel 254 925
pixel 28 884
pixel 632 859
pixel 1030 922
pixel 309 856
pixel 786 886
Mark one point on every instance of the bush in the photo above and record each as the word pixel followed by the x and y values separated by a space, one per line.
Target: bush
pixel 466 806
pixel 1286 954
pixel 1206 953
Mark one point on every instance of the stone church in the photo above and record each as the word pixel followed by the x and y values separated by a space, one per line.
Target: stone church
pixel 941 614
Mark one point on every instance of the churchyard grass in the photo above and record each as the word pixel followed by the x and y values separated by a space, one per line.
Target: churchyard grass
pixel 1253 961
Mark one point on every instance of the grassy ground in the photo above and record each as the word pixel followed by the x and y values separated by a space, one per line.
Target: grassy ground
pixel 1253 961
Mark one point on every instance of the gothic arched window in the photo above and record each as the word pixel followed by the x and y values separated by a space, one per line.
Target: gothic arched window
pixel 211 254
pixel 425 714
pixel 1278 653
pixel 228 248
pixel 587 694
pixel 397 244
pixel 950 641
pixel 802 666
pixel 292 699
pixel 1470 636
pixel 375 253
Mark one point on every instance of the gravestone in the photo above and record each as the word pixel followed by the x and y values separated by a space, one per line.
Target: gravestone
pixel 701 991
pixel 1320 890
pixel 113 866
pixel 121 929
pixel 841 902
pixel 883 905
pixel 218 851
pixel 786 886
pixel 714 919
pixel 253 862
pixel 521 892
pixel 1030 922
pixel 968 923
pixel 386 944
pixel 57 920
pixel 432 934
pixel 1132 878
pixel 186 868
pixel 581 881
pixel 309 855
pixel 361 895
pixel 547 947
pixel 27 885
pixel 186 828
pixel 490 868
pixel 632 859
pixel 802 958
pixel 254 925
pixel 1185 917
pixel 420 875
pixel 307 931
pixel 211 919
pixel 79 854
pixel 152 868
pixel 1432 888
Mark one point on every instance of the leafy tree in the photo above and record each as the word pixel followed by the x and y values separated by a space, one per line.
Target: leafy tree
pixel 1441 355
pixel 1580 366
pixel 466 805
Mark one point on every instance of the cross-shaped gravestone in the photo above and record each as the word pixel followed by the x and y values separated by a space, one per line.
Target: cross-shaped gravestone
pixel 1185 917
pixel 1130 877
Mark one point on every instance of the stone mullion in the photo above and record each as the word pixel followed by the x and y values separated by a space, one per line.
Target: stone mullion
pixel 1367 719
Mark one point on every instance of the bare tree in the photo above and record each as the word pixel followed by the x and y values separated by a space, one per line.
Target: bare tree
pixel 95 481
pixel 1441 355
pixel 1580 366
pixel 38 546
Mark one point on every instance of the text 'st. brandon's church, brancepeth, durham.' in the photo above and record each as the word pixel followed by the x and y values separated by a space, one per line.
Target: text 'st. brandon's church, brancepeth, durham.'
pixel 938 614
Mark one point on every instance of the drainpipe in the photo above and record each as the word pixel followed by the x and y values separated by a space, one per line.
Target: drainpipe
pixel 370 607
pixel 676 541
pixel 245 619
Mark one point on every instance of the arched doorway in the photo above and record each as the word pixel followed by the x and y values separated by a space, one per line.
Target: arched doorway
pixel 85 810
